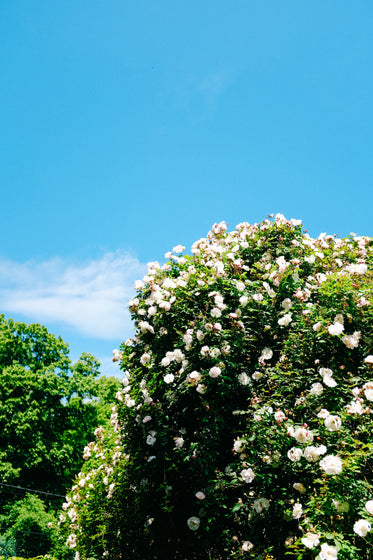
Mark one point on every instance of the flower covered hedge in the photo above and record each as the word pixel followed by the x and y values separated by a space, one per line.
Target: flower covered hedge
pixel 244 425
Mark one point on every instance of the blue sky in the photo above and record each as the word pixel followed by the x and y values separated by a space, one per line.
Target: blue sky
pixel 130 127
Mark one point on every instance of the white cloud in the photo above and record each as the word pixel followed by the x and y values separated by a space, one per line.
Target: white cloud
pixel 91 296
pixel 213 84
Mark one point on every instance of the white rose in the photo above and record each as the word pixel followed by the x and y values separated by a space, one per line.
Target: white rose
pixel 215 371
pixel 362 527
pixel 369 507
pixel 260 505
pixel 179 442
pixel 285 320
pixel 247 475
pixel 311 454
pixel 247 545
pixel 336 329
pixel 286 304
pixel 267 354
pixel 244 300
pixel 331 464
pixel 297 511
pixel 310 540
pixel 328 552
pixel 295 454
pixel 243 378
pixel 302 435
pixel 333 423
pixel 316 389
pixel 201 388
pixel 193 523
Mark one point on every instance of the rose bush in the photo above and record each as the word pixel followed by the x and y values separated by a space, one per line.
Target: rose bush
pixel 243 426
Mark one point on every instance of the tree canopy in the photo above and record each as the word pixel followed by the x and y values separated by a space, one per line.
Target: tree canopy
pixel 49 409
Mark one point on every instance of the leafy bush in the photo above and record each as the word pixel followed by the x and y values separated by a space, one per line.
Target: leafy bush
pixel 47 557
pixel 243 427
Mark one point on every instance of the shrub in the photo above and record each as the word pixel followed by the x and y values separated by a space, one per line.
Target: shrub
pixel 243 427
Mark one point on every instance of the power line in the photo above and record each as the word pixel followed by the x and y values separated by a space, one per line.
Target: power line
pixel 31 490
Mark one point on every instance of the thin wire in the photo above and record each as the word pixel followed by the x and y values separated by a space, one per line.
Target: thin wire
pixel 31 490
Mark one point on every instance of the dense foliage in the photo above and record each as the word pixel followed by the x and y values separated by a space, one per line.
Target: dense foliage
pixel 49 409
pixel 243 427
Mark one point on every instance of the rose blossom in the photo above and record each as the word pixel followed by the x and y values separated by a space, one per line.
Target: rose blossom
pixel 267 354
pixel 297 511
pixel 362 527
pixel 331 464
pixel 193 523
pixel 316 389
pixel 179 442
pixel 286 304
pixel 302 435
pixel 310 540
pixel 285 320
pixel 336 329
pixel 215 371
pixel 312 454
pixel 328 552
pixel 243 378
pixel 351 340
pixel 368 390
pixel 295 454
pixel 247 475
pixel 333 423
pixel 201 388
pixel 261 504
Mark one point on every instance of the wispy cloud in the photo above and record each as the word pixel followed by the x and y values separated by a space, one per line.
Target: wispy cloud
pixel 213 84
pixel 90 297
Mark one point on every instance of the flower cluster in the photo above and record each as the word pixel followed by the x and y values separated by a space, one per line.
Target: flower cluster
pixel 246 411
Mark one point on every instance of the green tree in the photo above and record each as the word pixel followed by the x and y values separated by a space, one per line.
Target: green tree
pixel 25 527
pixel 49 408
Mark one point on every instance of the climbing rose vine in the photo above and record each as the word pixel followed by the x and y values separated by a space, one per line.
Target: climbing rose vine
pixel 244 424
